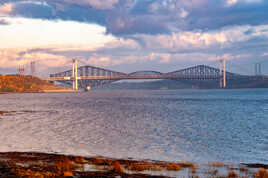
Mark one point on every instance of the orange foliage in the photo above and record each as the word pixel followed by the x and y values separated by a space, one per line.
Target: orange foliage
pixel 19 83
pixel 116 167
pixel 67 174
pixel 173 167
pixel 261 173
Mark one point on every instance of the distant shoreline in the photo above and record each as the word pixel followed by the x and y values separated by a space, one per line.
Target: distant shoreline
pixel 10 84
pixel 46 91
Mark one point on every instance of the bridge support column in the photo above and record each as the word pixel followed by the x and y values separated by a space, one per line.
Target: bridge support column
pixel 257 69
pixel 220 74
pixel 75 83
pixel 223 73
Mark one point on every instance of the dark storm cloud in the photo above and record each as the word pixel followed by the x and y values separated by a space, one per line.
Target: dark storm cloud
pixel 50 11
pixel 216 17
pixel 33 10
pixel 126 24
pixel 125 17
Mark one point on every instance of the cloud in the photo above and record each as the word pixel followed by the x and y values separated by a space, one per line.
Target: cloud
pixel 44 32
pixel 265 54
pixel 6 9
pixel 54 10
pixel 128 55
pixel 235 39
pixel 4 22
pixel 183 40
pixel 98 4
pixel 11 59
pixel 123 24
pixel 233 2
pixel 139 34
pixel 161 57
pixel 127 17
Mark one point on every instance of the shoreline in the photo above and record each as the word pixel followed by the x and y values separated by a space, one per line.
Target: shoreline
pixel 36 164
pixel 28 84
pixel 45 91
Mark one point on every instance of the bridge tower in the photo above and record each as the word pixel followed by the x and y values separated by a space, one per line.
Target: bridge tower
pixel 21 70
pixel 258 69
pixel 32 66
pixel 75 83
pixel 222 73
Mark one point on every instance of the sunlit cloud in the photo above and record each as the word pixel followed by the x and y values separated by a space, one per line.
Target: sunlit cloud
pixel 131 33
pixel 99 4
pixel 6 9
pixel 4 22
pixel 34 32
pixel 233 2
pixel 265 54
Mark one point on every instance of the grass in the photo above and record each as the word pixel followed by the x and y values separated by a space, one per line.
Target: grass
pixel 261 173
pixel 52 165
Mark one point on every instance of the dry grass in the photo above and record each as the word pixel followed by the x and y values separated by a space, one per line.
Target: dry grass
pixel 79 160
pixel 116 167
pixel 187 165
pixel 62 166
pixel 232 174
pixel 143 166
pixel 140 166
pixel 216 164
pixel 261 173
pixel 243 168
pixel 173 167
pixel 99 161
pixel 67 174
pixel 33 174
pixel 51 165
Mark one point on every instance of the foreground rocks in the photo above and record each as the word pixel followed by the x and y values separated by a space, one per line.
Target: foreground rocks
pixel 15 164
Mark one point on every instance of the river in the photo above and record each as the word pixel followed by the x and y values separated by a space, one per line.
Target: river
pixel 172 125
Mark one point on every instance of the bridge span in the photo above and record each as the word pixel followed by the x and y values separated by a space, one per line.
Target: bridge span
pixel 92 76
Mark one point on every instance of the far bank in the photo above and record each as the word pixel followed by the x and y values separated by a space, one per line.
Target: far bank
pixel 27 84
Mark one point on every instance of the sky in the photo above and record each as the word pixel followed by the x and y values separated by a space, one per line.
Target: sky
pixel 133 35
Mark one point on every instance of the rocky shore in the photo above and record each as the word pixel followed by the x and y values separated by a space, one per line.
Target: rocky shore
pixel 27 164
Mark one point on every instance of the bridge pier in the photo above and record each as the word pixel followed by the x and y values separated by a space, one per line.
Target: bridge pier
pixel 75 83
pixel 222 73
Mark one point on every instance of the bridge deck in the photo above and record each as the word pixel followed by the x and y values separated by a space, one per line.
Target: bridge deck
pixel 94 76
pixel 162 76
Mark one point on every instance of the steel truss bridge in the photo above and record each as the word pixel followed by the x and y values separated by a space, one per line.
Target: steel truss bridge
pixel 85 76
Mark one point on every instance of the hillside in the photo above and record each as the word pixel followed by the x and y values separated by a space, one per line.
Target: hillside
pixel 147 85
pixel 18 84
pixel 174 85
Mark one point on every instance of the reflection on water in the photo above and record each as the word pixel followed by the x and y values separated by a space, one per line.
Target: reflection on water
pixel 193 125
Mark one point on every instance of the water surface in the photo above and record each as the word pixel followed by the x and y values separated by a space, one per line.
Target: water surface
pixel 187 125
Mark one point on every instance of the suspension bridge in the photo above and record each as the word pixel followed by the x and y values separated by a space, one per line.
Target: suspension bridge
pixel 90 76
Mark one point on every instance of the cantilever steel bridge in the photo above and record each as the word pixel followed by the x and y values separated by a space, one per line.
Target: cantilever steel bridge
pixel 85 76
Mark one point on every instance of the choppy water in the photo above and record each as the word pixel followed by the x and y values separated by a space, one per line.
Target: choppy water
pixel 193 125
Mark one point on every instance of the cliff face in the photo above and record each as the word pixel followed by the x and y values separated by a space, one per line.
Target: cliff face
pixel 18 84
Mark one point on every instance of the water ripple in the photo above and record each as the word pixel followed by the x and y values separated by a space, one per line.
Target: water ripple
pixel 187 125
